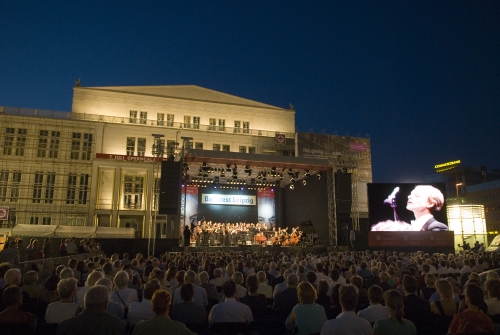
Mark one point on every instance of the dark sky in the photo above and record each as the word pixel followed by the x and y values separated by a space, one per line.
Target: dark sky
pixel 421 78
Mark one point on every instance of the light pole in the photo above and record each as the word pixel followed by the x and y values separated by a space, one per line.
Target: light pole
pixel 460 213
pixel 458 199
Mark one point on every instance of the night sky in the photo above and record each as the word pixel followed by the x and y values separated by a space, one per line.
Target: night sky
pixel 421 78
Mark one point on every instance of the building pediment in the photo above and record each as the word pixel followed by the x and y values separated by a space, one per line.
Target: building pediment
pixel 184 92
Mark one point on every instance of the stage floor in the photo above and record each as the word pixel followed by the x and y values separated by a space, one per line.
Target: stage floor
pixel 254 248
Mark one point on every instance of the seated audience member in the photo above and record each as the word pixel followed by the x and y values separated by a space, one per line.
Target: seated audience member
pixel 364 272
pixel 12 297
pixel 428 290
pixel 286 300
pixel 240 290
pixel 375 311
pixel 307 316
pixel 311 277
pixel 448 305
pixel 319 267
pixel 335 309
pixel 65 308
pixel 143 310
pixel 30 286
pixel 210 288
pixel 114 308
pixel 255 300
pixel 323 298
pixel 50 294
pixel 13 277
pixel 416 309
pixel 123 295
pixel 230 310
pixel 264 288
pixel 94 319
pixel 161 322
pixel 472 320
pixel 4 267
pixel 283 285
pixel 335 278
pixel 347 322
pixel 200 295
pixel 363 301
pixel 384 282
pixel 395 324
pixel 91 280
pixel 66 273
pixel 493 301
pixel 187 311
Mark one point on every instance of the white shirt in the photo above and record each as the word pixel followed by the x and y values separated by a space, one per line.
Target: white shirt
pixel 374 313
pixel 139 311
pixel 128 295
pixel 465 269
pixel 266 290
pixel 416 225
pixel 347 323
pixel 321 275
pixel 230 310
pixel 58 311
pixel 200 296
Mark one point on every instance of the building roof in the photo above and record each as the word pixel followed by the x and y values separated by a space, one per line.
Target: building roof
pixel 185 92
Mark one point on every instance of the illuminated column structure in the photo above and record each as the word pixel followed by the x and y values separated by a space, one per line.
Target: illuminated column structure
pixel 468 222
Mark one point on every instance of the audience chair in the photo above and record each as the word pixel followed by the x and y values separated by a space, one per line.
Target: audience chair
pixel 228 328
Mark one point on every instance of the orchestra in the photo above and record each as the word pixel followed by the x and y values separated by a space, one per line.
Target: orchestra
pixel 233 234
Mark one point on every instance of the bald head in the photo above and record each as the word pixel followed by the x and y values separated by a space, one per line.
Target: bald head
pixel 12 277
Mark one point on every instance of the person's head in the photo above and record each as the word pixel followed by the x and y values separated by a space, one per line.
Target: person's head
pixel 474 295
pixel 179 276
pixel 323 287
pixel 306 293
pixel 375 294
pixel 96 297
pixel 66 273
pixel 348 297
pixel 66 288
pixel 13 296
pixel 292 280
pixel 190 277
pixel 229 289
pixel 409 284
pixel 150 288
pixel 430 280
pixel 252 283
pixel 105 282
pixel 394 302
pixel 121 279
pixel 187 292
pixel 425 197
pixel 30 278
pixel 93 278
pixel 4 267
pixel 161 302
pixel 335 275
pixel 311 277
pixel 12 277
pixel 237 277
pixel 357 281
pixel 493 288
pixel 261 276
pixel 444 289
pixel 51 283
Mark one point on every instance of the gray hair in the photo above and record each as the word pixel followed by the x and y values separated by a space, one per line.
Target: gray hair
pixel 11 275
pixel 121 279
pixel 66 273
pixel 105 282
pixel 66 286
pixel 93 278
pixel 96 297
pixel 190 277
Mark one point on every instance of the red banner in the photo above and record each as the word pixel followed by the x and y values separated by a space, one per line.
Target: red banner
pixel 411 239
pixel 265 192
pixel 358 146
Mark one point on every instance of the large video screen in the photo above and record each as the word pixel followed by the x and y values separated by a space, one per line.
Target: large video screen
pixel 408 215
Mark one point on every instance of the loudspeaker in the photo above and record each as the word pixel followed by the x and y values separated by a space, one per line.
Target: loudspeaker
pixel 170 188
pixel 343 192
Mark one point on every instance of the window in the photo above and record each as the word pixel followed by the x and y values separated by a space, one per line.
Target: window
pixel 187 121
pixel 50 181
pixel 216 147
pixel 132 192
pixel 130 146
pixel 160 119
pixel 212 124
pixel 198 145
pixel 34 220
pixel 14 190
pixel 71 189
pixel 43 140
pixel 251 150
pixel 143 117
pixel 37 188
pixel 171 144
pixel 46 220
pixel 237 126
pixel 133 117
pixel 83 191
pixel 141 146
pixel 81 146
pixel 222 125
pixel 243 149
pixel 21 141
pixel 54 144
pixel 170 120
pixel 246 127
pixel 4 182
pixel 8 141
pixel 226 147
pixel 196 122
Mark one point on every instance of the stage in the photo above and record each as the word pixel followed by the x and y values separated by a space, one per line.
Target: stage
pixel 260 248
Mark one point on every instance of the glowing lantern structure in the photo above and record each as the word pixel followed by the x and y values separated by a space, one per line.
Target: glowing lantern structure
pixel 468 223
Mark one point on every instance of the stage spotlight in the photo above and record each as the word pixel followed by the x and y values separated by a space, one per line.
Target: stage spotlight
pixel 318 175
pixel 304 182
pixel 292 186
pixel 307 174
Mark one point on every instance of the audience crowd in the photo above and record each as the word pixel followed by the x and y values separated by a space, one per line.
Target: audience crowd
pixel 377 292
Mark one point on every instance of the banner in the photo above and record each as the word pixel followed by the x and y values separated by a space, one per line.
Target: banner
pixel 223 199
pixel 191 202
pixel 266 207
pixel 411 239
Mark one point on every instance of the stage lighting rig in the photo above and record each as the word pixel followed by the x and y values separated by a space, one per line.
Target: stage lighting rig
pixel 228 167
pixel 307 174
pixel 292 186
pixel 304 182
